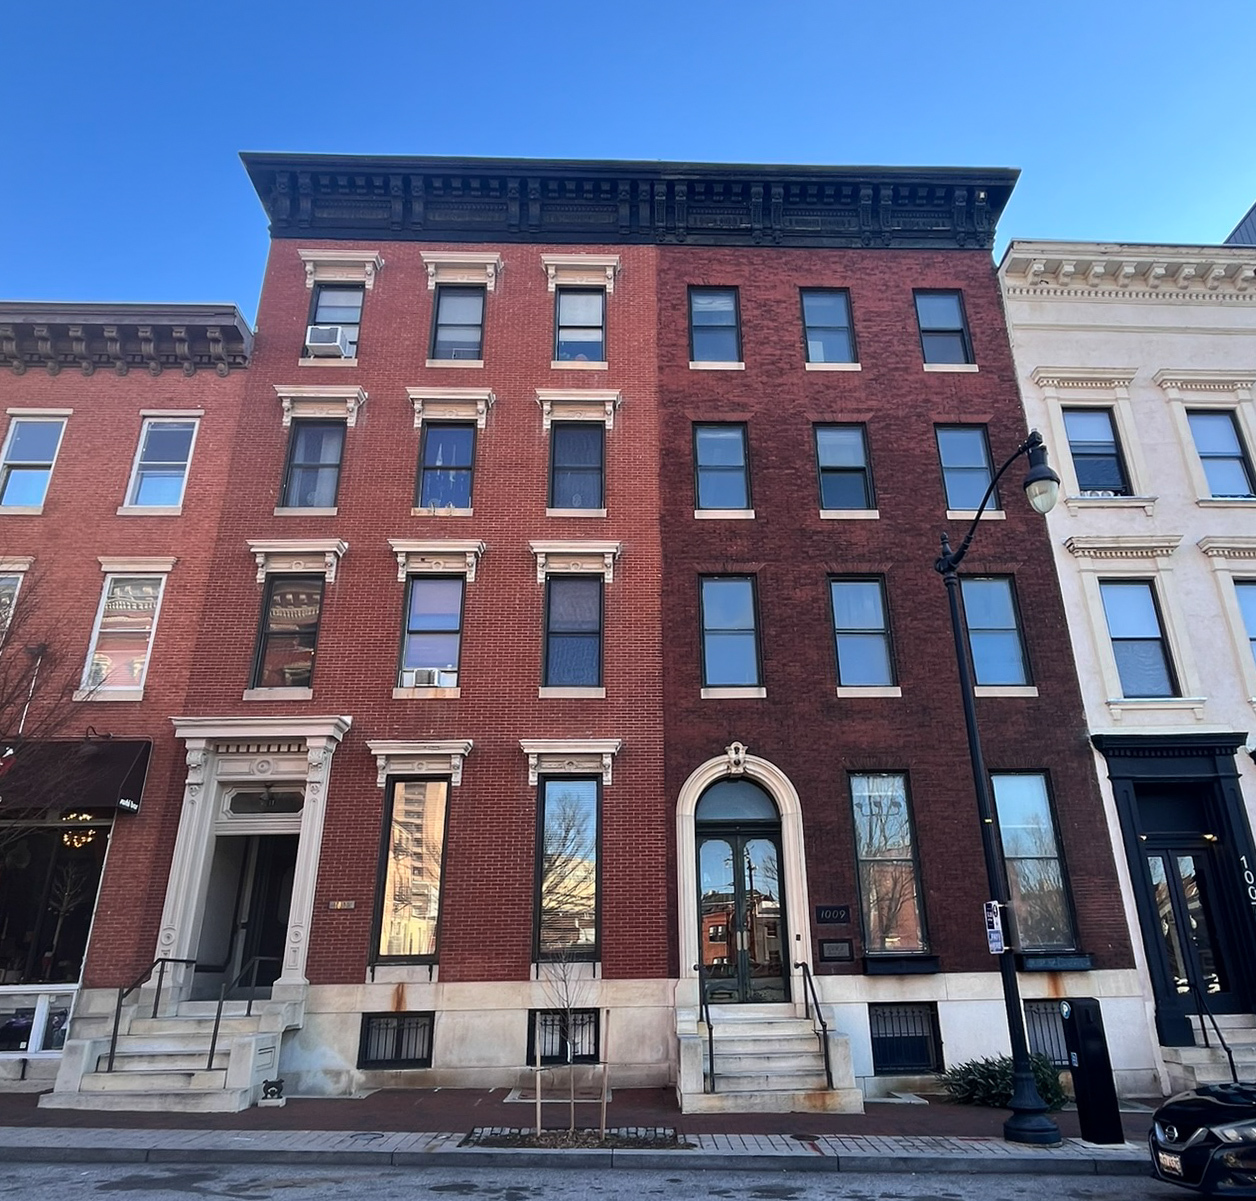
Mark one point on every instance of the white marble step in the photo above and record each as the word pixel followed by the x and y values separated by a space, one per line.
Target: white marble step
pixel 218 1100
pixel 162 1081
pixel 821 1100
pixel 148 1027
pixel 185 1059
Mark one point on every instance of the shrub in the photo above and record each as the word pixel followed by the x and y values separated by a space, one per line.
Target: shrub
pixel 989 1082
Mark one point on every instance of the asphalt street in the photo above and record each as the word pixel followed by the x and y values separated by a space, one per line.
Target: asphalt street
pixel 172 1182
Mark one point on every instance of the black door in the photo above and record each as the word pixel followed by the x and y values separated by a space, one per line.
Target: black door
pixel 741 916
pixel 269 898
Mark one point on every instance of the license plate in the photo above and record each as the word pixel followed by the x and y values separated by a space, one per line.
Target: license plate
pixel 1169 1163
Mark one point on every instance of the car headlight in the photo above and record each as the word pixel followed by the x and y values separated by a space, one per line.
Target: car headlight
pixel 1239 1132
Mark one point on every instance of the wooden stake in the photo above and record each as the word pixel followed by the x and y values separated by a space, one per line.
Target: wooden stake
pixel 536 1076
pixel 606 1017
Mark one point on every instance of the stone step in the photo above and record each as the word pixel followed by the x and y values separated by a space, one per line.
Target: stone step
pixel 218 1100
pixel 1231 1021
pixel 1243 1054
pixel 790 1044
pixel 764 1082
pixel 144 1061
pixel 154 1081
pixel 195 1026
pixel 767 1064
pixel 820 1100
pixel 762 1027
pixel 207 1009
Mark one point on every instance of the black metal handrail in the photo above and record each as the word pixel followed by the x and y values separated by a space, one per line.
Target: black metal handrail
pixel 1201 1008
pixel 704 1006
pixel 250 967
pixel 823 1032
pixel 123 993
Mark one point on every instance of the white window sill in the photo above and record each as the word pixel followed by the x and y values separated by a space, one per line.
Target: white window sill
pixel 109 694
pixel 738 366
pixel 454 363
pixel 723 514
pixel 1004 690
pixel 733 694
pixel 961 367
pixel 969 514
pixel 871 690
pixel 560 693
pixel 577 365
pixel 426 694
pixel 1226 502
pixel 432 511
pixel 849 514
pixel 834 366
pixel 325 361
pixel 150 510
pixel 22 510
pixel 575 512
pixel 1160 704
pixel 278 694
pixel 311 511
pixel 1075 504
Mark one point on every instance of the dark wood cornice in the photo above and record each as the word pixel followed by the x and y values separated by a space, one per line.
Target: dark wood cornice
pixel 705 204
pixel 117 337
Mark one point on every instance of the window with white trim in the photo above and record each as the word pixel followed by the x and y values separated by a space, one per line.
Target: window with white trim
pixel 432 645
pixel 1138 642
pixel 580 325
pixel 1221 453
pixel 122 637
pixel 30 451
pixel 567 892
pixel 312 476
pixel 1096 453
pixel 10 586
pixel 159 476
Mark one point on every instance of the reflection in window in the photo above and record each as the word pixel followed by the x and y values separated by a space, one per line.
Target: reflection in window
pixel 714 334
pixel 993 632
pixel 826 318
pixel 842 455
pixel 9 585
pixel 1142 660
pixel 581 323
pixel 1222 454
pixel 447 461
pixel 124 631
pixel 409 903
pixel 29 452
pixel 459 332
pixel 943 330
pixel 889 884
pixel 573 632
pixel 863 634
pixel 285 654
pixel 1246 590
pixel 1096 455
pixel 730 644
pixel 1031 856
pixel 313 475
pixel 342 306
pixel 723 475
pixel 966 471
pixel 568 870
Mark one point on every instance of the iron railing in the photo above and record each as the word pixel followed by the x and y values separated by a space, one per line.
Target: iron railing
pixel 1201 1008
pixel 1045 1027
pixel 823 1031
pixel 905 1038
pixel 249 968
pixel 123 993
pixel 705 1005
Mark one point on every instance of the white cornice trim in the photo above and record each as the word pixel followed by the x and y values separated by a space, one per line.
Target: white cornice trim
pixel 578 404
pixel 436 555
pixel 1162 274
pixel 393 758
pixel 297 555
pixel 331 728
pixel 1122 546
pixel 451 404
pixel 1182 385
pixel 1114 381
pixel 569 756
pixel 592 270
pixel 341 266
pixel 1230 546
pixel 553 558
pixel 462 267
pixel 320 400
pixel 160 564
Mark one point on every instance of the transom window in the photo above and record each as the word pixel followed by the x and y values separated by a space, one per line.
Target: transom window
pixel 1222 454
pixel 714 326
pixel 123 636
pixel 842 456
pixel 1138 644
pixel 966 472
pixel 1246 590
pixel 994 635
pixel 1096 454
pixel 312 479
pixel 336 304
pixel 723 475
pixel 573 632
pixel 408 905
pixel 826 326
pixel 943 329
pixel 567 869
pixel 889 879
pixel 30 449
pixel 580 334
pixel 447 460
pixel 289 632
pixel 730 641
pixel 161 466
pixel 577 454
pixel 863 633
pixel 458 331
pixel 433 637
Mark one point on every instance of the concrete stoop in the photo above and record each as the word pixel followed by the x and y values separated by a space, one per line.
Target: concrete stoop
pixel 1189 1067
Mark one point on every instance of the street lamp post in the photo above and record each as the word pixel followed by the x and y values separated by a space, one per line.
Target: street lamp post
pixel 1028 1122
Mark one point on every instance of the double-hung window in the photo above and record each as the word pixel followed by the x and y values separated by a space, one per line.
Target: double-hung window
pixel 966 471
pixel 1031 857
pixel 827 333
pixel 433 636
pixel 845 477
pixel 123 637
pixel 580 325
pixel 312 478
pixel 943 328
pixel 885 855
pixel 863 633
pixel 288 636
pixel 730 640
pixel 1138 642
pixel 336 304
pixel 458 327
pixel 567 885
pixel 714 326
pixel 447 460
pixel 408 903
pixel 1246 590
pixel 30 450
pixel 1225 462
pixel 573 632
pixel 161 465
pixel 1095 452
pixel 722 470
pixel 10 585
pixel 577 457
pixel 994 635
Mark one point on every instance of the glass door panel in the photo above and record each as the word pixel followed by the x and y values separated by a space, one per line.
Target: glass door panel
pixel 717 919
pixel 761 887
pixel 1196 902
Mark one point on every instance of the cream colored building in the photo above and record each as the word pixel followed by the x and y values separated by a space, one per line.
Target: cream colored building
pixel 1138 364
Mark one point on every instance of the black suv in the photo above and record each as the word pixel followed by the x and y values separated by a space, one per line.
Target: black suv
pixel 1206 1140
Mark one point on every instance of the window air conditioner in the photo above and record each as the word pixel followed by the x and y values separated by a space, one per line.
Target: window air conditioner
pixel 428 677
pixel 464 352
pixel 327 341
pixel 1097 492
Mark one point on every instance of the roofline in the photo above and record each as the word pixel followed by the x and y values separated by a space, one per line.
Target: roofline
pixel 1117 249
pixel 90 311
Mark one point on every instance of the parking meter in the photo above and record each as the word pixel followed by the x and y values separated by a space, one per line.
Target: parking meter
pixel 1093 1085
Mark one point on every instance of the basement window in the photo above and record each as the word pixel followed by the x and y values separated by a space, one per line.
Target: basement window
pixel 393 1041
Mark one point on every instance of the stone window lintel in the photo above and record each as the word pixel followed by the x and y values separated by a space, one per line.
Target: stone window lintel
pixel 341 267
pixel 451 404
pixel 578 404
pixel 320 400
pixel 462 267
pixel 419 759
pixel 564 756
pixel 428 556
pixel 298 556
pixel 554 558
pixel 581 270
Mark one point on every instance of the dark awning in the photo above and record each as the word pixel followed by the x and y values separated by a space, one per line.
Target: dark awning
pixel 80 773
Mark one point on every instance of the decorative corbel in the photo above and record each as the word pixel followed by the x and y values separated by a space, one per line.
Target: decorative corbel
pixel 78 347
pixel 183 349
pixel 43 343
pixel 1156 273
pixel 1184 274
pixel 148 349
pixel 736 752
pixel 113 348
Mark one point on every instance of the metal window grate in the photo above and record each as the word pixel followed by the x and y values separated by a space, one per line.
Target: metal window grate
pixel 396 1040
pixel 905 1039
pixel 562 1030
pixel 1045 1028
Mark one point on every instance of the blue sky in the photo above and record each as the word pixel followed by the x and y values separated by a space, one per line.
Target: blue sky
pixel 120 178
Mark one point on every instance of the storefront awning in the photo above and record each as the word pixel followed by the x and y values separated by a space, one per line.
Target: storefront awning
pixel 80 773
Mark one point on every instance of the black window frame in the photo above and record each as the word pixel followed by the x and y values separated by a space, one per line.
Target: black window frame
pixel 274 581
pixel 993 504
pixel 583 1013
pixel 745 465
pixel 1017 616
pixel 290 463
pixel 849 327
pixel 736 291
pixel 411 579
pixel 445 290
pixel 1175 682
pixel 347 286
pixel 870 494
pixel 886 631
pixel 1243 457
pixel 571 289
pixel 927 1030
pixel 395 1064
pixel 1242 586
pixel 425 467
pixel 594 953
pixel 752 579
pixel 963 330
pixel 556 429
pixel 1117 455
pixel 548 632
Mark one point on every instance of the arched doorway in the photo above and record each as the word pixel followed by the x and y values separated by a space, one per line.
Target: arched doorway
pixel 742 940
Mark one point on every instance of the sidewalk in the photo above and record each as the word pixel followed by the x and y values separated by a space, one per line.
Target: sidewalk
pixel 432 1126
